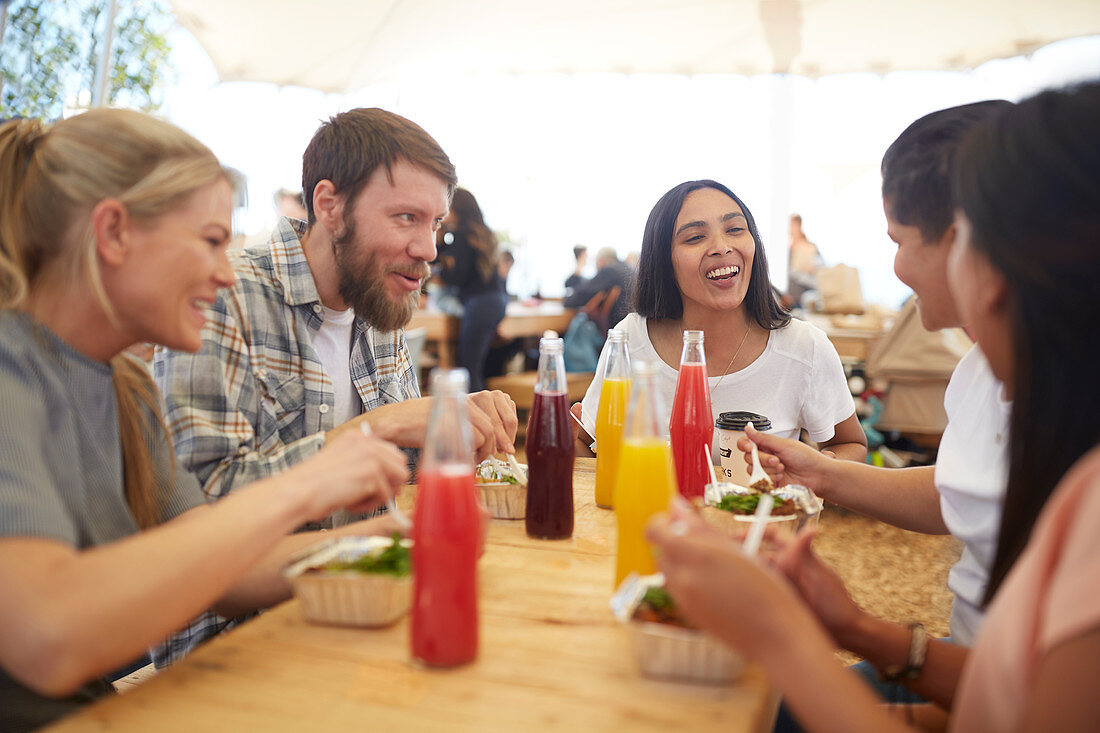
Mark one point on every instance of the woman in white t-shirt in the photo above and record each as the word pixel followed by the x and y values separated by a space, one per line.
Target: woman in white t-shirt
pixel 703 268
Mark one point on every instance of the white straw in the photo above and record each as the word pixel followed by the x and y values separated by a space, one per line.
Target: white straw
pixel 710 464
pixel 759 522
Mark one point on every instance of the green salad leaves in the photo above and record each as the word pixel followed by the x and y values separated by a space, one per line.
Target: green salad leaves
pixel 393 560
pixel 743 503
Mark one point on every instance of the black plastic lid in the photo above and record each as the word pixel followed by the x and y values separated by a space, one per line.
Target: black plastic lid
pixel 738 420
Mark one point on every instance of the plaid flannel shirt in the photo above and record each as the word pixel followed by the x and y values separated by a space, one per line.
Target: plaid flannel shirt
pixel 255 400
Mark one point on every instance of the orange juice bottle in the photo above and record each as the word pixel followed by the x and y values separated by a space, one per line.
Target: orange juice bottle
pixel 645 481
pixel 611 415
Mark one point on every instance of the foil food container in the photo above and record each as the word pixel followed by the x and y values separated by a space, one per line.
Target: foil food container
pixel 350 597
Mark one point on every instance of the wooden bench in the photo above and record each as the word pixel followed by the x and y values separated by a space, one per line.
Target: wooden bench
pixel 521 388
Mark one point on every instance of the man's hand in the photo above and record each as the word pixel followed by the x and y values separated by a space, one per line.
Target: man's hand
pixel 492 417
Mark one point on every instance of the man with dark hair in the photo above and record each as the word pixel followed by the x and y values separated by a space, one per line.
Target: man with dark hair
pixel 580 254
pixel 962 494
pixel 310 339
pixel 612 276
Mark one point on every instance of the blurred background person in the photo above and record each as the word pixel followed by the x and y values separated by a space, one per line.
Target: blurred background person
pixel 613 280
pixel 580 254
pixel 504 266
pixel 470 264
pixel 803 263
pixel 289 203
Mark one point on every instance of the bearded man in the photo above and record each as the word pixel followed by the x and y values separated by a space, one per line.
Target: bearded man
pixel 309 341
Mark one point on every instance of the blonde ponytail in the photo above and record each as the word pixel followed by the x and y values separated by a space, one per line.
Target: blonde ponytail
pixel 50 179
pixel 136 397
pixel 17 139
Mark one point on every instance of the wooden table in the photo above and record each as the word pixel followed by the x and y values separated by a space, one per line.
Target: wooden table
pixel 519 321
pixel 552 657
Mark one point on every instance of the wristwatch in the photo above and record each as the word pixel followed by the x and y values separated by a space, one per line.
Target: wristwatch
pixel 914 662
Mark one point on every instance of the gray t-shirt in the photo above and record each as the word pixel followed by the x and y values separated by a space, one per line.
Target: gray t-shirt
pixel 61 470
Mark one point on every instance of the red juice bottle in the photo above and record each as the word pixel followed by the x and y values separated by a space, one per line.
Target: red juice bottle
pixel 446 532
pixel 549 512
pixel 691 425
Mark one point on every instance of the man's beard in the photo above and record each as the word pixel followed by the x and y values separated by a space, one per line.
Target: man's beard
pixel 362 284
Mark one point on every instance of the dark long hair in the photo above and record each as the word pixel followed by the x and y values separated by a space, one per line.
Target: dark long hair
pixel 657 296
pixel 916 168
pixel 1029 183
pixel 470 223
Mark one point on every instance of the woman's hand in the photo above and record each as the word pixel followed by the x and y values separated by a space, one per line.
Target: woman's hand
pixel 788 461
pixel 353 471
pixel 737 599
pixel 820 587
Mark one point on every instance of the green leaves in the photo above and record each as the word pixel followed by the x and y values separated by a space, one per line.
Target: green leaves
pixel 659 600
pixel 394 560
pixel 50 50
pixel 740 503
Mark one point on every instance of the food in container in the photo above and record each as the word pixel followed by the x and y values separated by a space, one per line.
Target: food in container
pixel 353 581
pixel 504 496
pixel 728 504
pixel 665 644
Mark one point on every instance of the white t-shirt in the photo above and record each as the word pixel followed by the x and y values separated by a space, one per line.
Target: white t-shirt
pixel 332 342
pixel 798 382
pixel 971 472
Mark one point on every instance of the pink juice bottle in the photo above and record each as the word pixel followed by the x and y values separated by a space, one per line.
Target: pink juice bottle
pixel 691 425
pixel 446 532
pixel 549 512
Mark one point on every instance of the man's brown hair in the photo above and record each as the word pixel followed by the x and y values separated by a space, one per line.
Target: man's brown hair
pixel 350 146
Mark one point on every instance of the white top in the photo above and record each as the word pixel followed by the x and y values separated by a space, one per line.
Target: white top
pixel 333 346
pixel 798 382
pixel 971 472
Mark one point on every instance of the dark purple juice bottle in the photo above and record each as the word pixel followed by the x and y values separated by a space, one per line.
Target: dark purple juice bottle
pixel 550 450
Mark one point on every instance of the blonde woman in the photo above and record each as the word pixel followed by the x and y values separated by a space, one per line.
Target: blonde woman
pixel 113 231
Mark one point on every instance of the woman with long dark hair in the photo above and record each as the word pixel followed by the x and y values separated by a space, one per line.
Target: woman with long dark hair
pixel 1023 273
pixel 703 267
pixel 470 264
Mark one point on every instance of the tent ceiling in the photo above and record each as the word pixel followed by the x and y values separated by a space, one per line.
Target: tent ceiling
pixel 337 45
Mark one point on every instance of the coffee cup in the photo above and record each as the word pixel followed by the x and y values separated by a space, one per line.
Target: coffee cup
pixel 731 426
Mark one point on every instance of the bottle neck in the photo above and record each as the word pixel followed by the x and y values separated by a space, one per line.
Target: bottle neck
pixel 693 352
pixel 618 361
pixel 643 416
pixel 551 379
pixel 449 441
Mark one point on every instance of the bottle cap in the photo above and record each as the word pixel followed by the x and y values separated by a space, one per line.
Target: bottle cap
pixel 450 381
pixel 693 337
pixel 616 335
pixel 551 344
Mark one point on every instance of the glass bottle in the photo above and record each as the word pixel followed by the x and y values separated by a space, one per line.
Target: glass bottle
pixel 550 448
pixel 446 531
pixel 611 415
pixel 691 424
pixel 645 483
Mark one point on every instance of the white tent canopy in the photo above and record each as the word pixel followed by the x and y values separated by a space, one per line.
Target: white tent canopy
pixel 340 46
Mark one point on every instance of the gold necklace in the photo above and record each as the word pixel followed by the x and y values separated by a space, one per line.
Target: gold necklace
pixel 733 358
